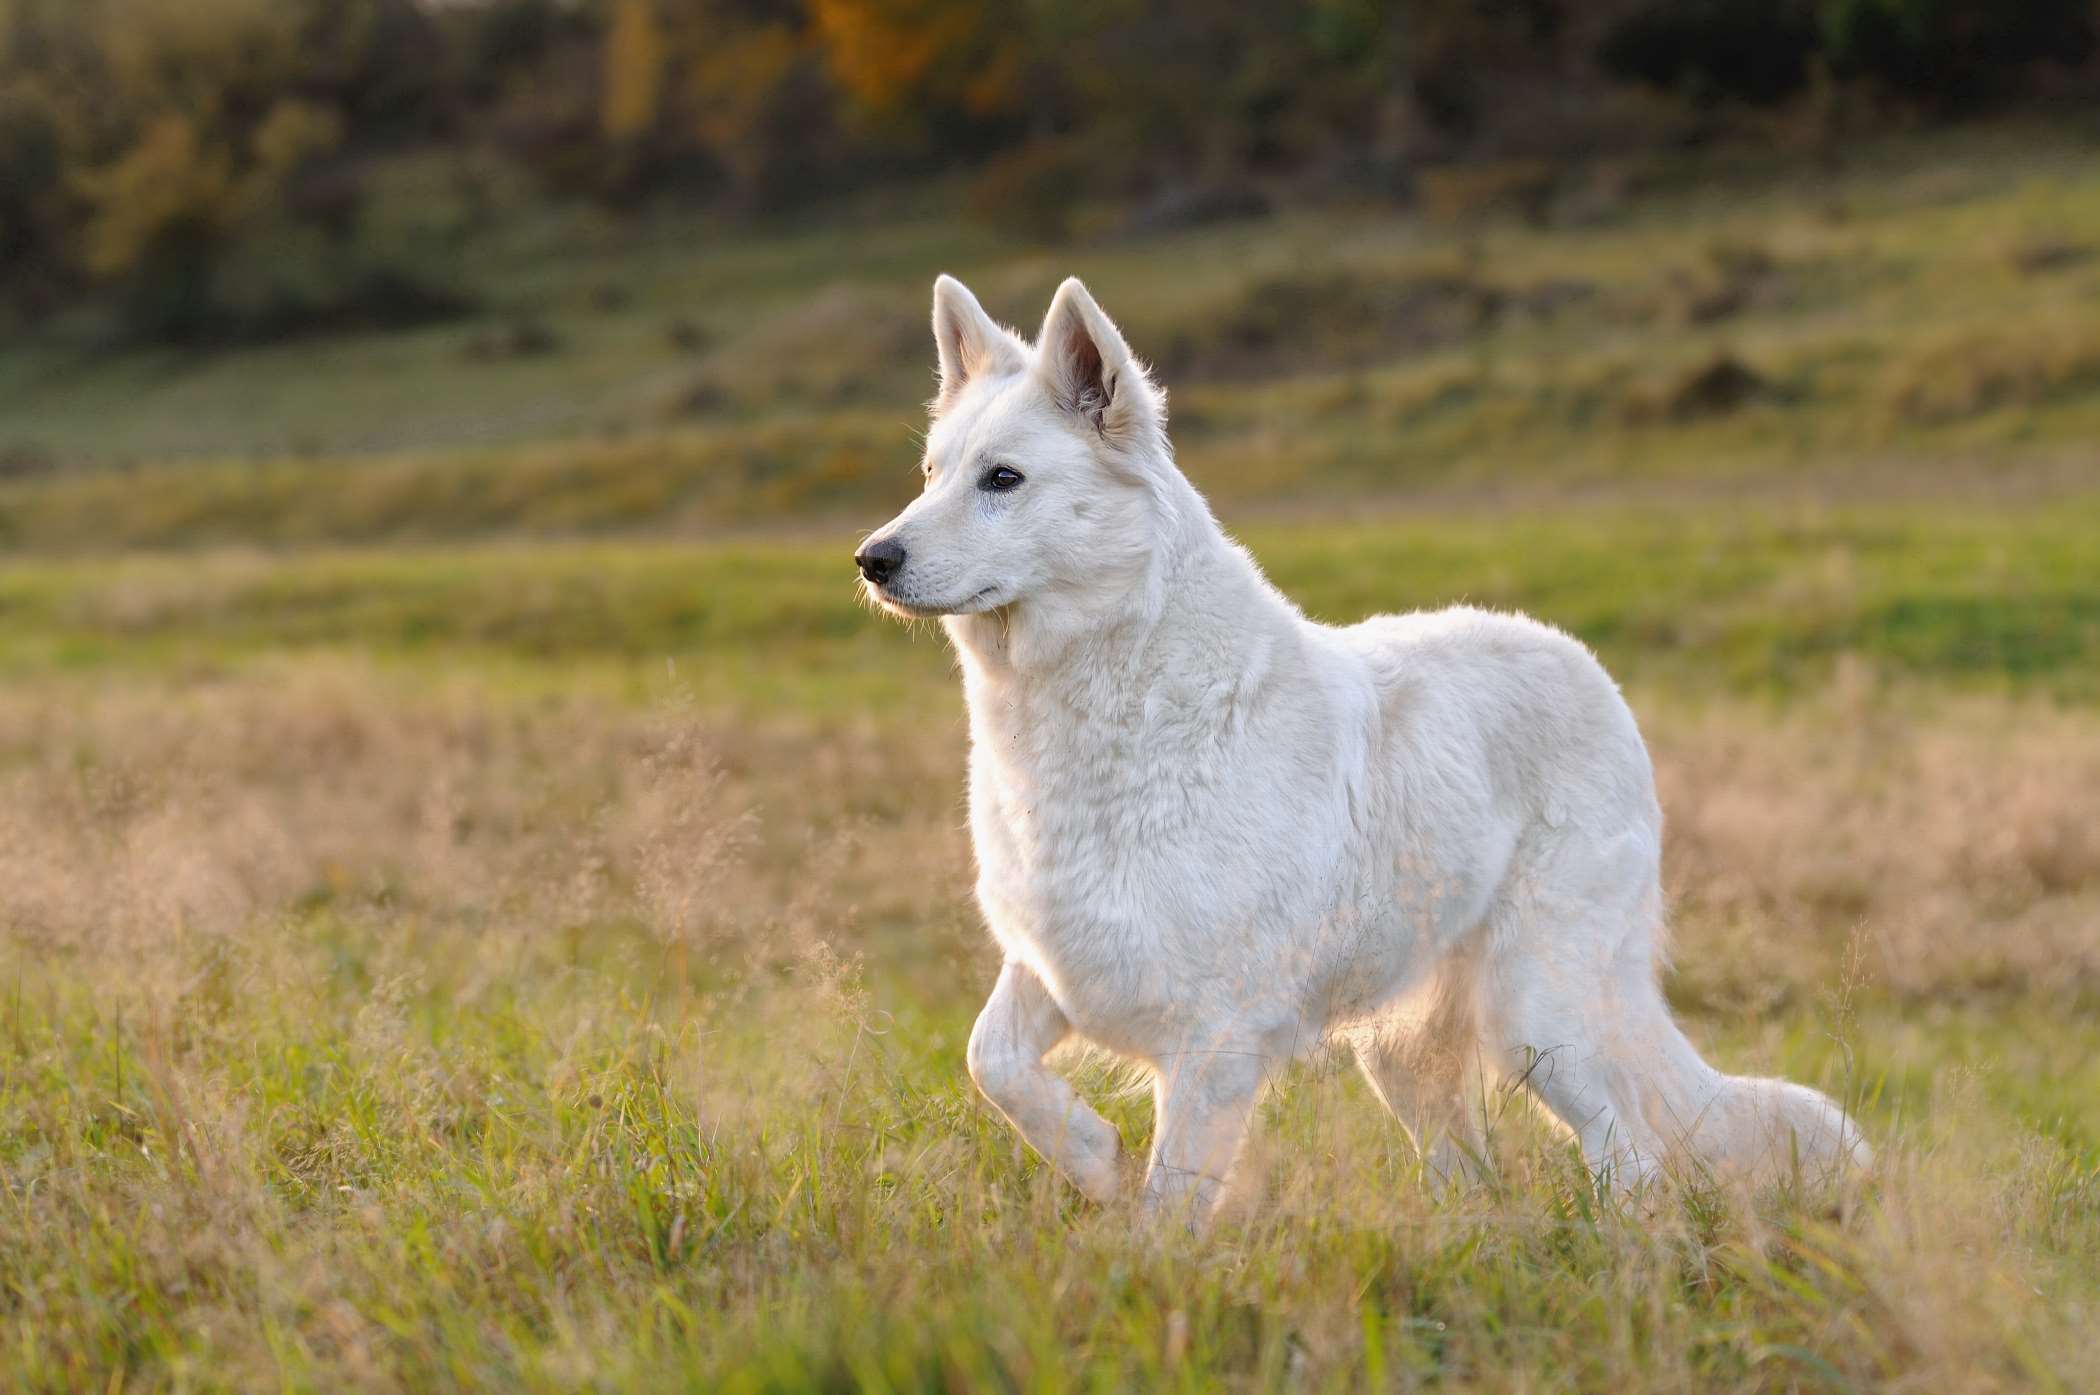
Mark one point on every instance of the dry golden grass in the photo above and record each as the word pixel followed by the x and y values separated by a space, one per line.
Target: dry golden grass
pixel 131 816
pixel 377 1036
pixel 1958 840
pixel 1954 834
pixel 2028 367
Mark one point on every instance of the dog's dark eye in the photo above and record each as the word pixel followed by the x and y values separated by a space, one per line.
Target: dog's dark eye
pixel 1000 478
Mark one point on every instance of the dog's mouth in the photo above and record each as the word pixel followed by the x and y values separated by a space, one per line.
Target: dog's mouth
pixel 912 609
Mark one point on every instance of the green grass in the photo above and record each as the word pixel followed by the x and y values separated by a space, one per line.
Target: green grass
pixel 312 1174
pixel 1757 600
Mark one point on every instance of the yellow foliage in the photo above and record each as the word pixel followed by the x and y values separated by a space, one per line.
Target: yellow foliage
pixel 175 174
pixel 293 132
pixel 888 53
pixel 187 54
pixel 729 85
pixel 170 176
pixel 634 70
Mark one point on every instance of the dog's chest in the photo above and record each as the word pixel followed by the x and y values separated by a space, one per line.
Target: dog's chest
pixel 1118 844
pixel 1166 856
pixel 1085 827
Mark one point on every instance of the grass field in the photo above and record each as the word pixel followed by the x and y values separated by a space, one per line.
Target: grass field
pixel 484 908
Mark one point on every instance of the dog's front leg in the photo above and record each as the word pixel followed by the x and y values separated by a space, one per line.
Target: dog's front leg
pixel 1019 1026
pixel 1204 1099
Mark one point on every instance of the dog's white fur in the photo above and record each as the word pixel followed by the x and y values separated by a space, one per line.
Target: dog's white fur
pixel 1213 835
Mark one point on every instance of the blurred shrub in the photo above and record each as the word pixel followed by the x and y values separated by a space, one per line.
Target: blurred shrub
pixel 209 165
pixel 1970 376
pixel 525 337
pixel 1715 387
pixel 1943 53
pixel 33 272
pixel 1031 193
pixel 919 61
pixel 1731 278
pixel 1337 317
pixel 634 72
pixel 2047 255
pixel 190 156
pixel 335 250
pixel 1457 192
pixel 1947 52
pixel 1752 50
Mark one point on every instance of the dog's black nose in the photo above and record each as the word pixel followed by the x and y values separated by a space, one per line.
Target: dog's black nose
pixel 880 561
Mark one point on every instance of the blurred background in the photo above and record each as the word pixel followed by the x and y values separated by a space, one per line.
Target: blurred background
pixel 482 905
pixel 388 247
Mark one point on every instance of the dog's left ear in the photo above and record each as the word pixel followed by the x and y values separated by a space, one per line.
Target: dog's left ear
pixel 971 344
pixel 1091 372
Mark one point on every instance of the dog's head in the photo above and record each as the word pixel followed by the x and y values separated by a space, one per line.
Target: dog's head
pixel 1041 462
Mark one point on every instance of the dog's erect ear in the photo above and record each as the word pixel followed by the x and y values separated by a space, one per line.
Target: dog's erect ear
pixel 1090 371
pixel 972 345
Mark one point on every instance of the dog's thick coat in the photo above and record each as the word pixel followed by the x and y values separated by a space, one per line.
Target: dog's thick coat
pixel 1213 835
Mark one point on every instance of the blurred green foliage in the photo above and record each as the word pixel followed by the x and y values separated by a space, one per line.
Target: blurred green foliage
pixel 1940 54
pixel 218 169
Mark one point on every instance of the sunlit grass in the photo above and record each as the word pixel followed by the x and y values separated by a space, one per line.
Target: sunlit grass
pixel 398 1027
pixel 503 1171
pixel 1757 598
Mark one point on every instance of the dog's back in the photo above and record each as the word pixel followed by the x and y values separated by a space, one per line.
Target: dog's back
pixel 1528 702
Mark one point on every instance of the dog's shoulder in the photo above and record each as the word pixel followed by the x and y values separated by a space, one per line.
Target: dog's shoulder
pixel 1464 635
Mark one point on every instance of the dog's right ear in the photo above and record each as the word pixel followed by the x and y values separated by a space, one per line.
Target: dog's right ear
pixel 972 345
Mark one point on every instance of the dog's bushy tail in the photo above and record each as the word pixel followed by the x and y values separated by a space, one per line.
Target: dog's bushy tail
pixel 1770 1127
pixel 1748 1124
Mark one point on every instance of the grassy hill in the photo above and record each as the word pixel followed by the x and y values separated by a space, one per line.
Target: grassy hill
pixel 1915 315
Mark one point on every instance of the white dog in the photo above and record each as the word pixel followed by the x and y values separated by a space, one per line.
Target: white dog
pixel 1212 835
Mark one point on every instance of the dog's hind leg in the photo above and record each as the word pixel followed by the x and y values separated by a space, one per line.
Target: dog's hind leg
pixel 1571 1007
pixel 1425 1066
pixel 1019 1026
pixel 1204 1099
pixel 1572 1003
